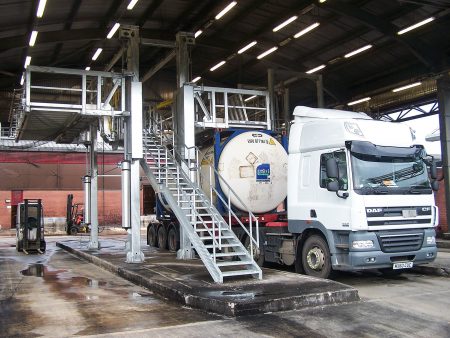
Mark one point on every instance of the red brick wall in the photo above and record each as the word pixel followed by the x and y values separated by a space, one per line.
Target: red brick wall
pixel 54 202
pixel 440 202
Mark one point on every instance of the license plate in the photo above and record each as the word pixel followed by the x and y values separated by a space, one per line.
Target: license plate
pixel 402 265
pixel 409 213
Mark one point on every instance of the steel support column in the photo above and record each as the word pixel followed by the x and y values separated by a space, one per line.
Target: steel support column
pixel 271 90
pixel 133 149
pixel 184 120
pixel 93 169
pixel 443 91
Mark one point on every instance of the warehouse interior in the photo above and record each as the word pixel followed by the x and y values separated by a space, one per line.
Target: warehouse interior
pixel 153 60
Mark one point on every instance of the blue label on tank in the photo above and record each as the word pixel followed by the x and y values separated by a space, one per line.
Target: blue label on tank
pixel 263 173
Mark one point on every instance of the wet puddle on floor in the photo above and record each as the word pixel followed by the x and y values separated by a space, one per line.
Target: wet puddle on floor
pixel 72 286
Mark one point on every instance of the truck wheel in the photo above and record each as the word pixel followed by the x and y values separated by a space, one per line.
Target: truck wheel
pixel 258 254
pixel 173 240
pixel 162 237
pixel 73 230
pixel 151 235
pixel 316 257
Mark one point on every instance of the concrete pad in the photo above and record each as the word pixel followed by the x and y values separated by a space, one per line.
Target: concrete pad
pixel 189 283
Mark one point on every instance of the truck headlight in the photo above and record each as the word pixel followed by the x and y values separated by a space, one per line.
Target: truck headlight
pixel 431 240
pixel 362 244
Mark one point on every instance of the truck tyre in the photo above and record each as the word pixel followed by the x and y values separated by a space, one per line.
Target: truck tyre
pixel 73 230
pixel 258 254
pixel 298 259
pixel 162 237
pixel 316 258
pixel 173 240
pixel 151 235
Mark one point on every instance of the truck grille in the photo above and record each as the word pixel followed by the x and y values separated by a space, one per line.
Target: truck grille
pixel 386 216
pixel 400 241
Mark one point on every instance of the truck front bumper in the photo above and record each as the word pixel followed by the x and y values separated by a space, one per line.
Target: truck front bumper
pixel 376 258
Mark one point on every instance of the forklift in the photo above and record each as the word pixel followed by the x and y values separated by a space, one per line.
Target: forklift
pixel 30 227
pixel 74 217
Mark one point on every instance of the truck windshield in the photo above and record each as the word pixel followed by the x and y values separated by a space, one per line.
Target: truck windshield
pixel 386 173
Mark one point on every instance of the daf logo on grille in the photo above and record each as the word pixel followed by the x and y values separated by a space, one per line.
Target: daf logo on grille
pixel 373 210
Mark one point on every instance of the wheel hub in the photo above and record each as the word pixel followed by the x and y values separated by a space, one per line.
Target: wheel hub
pixel 315 259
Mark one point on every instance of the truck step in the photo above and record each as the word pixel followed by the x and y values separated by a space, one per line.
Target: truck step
pixel 240 272
pixel 232 263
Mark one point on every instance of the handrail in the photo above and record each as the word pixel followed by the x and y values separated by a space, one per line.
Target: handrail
pixel 196 168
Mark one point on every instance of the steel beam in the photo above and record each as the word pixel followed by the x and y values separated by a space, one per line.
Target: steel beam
pixel 93 169
pixel 156 68
pixel 443 87
pixel 133 146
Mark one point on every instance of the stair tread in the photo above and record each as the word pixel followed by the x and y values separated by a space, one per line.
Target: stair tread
pixel 232 263
pixel 240 272
pixel 230 254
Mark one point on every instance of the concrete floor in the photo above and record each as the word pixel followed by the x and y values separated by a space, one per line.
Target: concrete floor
pixel 57 295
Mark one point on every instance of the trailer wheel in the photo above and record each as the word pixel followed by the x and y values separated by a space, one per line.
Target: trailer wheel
pixel 316 258
pixel 162 237
pixel 173 240
pixel 258 253
pixel 151 235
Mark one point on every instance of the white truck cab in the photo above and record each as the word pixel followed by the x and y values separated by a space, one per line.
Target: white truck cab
pixel 358 193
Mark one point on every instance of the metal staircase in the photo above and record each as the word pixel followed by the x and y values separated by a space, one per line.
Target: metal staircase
pixel 210 235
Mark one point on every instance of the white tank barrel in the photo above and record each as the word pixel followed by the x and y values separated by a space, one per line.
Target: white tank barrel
pixel 254 164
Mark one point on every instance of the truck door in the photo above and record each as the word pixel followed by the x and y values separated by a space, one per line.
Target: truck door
pixel 335 209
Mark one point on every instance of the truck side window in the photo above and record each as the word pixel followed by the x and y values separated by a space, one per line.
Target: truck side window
pixel 342 165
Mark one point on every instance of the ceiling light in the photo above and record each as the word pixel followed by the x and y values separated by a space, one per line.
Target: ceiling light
pixel 113 30
pixel 196 79
pixel 250 45
pixel 225 10
pixel 322 1
pixel 198 33
pixel 307 29
pixel 33 38
pixel 22 80
pixel 27 62
pixel 406 87
pixel 267 52
pixel 41 8
pixel 88 68
pixel 131 4
pixel 358 101
pixel 410 28
pixel 97 53
pixel 220 64
pixel 315 69
pixel 284 24
pixel 250 98
pixel 360 50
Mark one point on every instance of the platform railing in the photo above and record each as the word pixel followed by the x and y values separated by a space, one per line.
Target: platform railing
pixel 217 107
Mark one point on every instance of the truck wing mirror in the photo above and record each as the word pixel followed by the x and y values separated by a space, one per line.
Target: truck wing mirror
pixel 332 168
pixel 435 185
pixel 333 186
pixel 433 170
